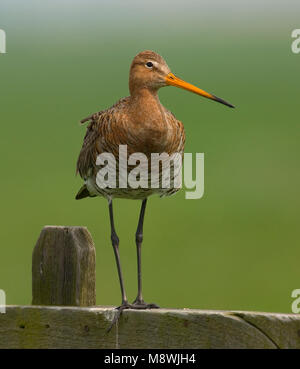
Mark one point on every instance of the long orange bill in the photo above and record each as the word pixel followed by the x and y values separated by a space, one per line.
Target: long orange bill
pixel 177 82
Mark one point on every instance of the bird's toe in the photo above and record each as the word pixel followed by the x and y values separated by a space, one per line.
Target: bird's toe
pixel 141 304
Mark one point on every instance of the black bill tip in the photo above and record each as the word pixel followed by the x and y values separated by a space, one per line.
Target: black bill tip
pixel 222 101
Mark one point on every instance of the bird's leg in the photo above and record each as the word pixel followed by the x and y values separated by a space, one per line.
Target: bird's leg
pixel 139 303
pixel 115 244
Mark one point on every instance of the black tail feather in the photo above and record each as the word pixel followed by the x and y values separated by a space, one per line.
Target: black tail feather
pixel 83 193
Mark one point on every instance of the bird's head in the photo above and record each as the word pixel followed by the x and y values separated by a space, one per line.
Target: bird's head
pixel 149 70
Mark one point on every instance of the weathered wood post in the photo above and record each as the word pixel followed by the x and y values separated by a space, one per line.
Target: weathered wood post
pixel 63 267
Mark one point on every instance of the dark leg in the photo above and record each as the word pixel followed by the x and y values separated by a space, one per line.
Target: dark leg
pixel 138 241
pixel 115 244
pixel 139 302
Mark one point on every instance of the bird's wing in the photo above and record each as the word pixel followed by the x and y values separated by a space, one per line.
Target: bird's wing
pixel 177 141
pixel 100 136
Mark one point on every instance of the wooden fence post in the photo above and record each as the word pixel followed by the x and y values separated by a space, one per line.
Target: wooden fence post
pixel 63 267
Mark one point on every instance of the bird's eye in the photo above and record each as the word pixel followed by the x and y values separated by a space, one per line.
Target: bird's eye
pixel 149 65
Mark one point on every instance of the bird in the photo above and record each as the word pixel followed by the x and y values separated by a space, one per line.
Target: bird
pixel 145 126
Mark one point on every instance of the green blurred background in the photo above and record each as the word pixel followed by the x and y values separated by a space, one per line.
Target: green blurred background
pixel 238 246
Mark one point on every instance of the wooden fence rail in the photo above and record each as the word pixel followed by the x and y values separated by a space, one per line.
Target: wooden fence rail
pixel 64 274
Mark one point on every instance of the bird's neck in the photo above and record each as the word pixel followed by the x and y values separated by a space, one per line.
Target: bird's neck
pixel 146 102
pixel 142 94
pixel 148 121
pixel 146 109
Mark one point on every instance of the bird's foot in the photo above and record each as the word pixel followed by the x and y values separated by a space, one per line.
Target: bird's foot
pixel 141 304
pixel 137 304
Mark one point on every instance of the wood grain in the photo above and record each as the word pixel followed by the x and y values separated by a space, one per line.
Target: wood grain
pixel 63 267
pixel 71 327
